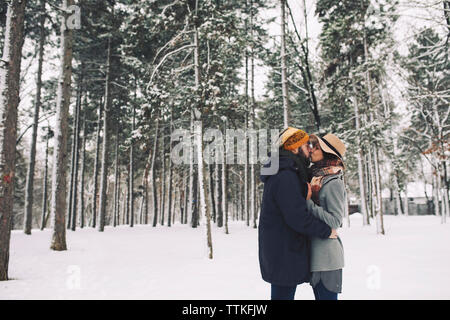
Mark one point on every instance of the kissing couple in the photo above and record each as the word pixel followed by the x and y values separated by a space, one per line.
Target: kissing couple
pixel 302 207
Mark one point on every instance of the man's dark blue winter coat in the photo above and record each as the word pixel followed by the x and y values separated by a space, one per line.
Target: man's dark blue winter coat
pixel 284 227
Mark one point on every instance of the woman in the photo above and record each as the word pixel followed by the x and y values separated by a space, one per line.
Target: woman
pixel 328 204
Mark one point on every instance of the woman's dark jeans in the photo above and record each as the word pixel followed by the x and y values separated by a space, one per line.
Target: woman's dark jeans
pixel 322 293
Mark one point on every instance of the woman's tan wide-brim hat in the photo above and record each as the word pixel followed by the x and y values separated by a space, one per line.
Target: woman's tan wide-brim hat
pixel 332 144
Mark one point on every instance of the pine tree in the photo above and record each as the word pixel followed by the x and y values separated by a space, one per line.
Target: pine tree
pixel 9 101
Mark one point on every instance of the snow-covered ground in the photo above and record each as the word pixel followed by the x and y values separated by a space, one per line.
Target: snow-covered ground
pixel 410 262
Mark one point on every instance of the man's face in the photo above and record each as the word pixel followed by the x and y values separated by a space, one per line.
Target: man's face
pixel 305 149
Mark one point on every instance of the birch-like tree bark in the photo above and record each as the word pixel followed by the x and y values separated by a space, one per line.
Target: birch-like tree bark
pixel 204 203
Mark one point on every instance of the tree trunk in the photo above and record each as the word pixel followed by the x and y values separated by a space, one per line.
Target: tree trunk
pixel 163 180
pixel 286 107
pixel 105 147
pixel 218 177
pixel 224 195
pixel 253 148
pixel 397 195
pixel 83 165
pixel 406 207
pixel 96 165
pixel 76 152
pixel 194 216
pixel 182 202
pixel 31 165
pixel 152 176
pixel 133 127
pixel 378 186
pixel 9 102
pixel 212 192
pixel 45 186
pixel 116 178
pixel 170 191
pixel 58 205
pixel 359 156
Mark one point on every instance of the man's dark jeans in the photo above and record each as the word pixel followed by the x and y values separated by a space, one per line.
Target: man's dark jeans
pixel 282 293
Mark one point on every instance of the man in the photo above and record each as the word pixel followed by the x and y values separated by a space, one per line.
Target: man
pixel 284 223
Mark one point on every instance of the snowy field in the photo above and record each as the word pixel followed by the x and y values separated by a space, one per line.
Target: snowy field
pixel 410 262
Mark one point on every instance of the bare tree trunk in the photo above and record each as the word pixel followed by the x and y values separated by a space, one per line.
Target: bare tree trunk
pixel 378 185
pixel 224 186
pixel 153 178
pixel 124 207
pixel 58 205
pixel 116 178
pixel 204 203
pixel 406 199
pixel 359 156
pixel 247 116
pixel 9 102
pixel 224 196
pixel 218 178
pixel 83 165
pixel 397 195
pixel 96 165
pixel 246 209
pixel 194 216
pixel 212 192
pixel 117 208
pixel 163 180
pixel 131 190
pixel 373 195
pixel 253 149
pixel 45 186
pixel 444 197
pixel 31 165
pixel 170 191
pixel 182 202
pixel 76 149
pixel 286 107
pixel 72 163
pixel 190 199
pixel 106 138
pixel 374 176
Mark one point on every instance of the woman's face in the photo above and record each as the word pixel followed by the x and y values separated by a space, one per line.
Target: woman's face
pixel 316 153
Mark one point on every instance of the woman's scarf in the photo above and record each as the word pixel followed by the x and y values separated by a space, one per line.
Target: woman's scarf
pixel 321 169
